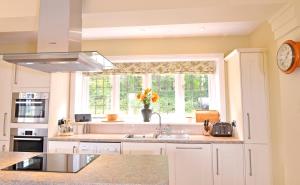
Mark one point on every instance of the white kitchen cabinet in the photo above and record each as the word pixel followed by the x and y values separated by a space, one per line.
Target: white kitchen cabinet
pixel 24 77
pixel 190 164
pixel 258 167
pixel 247 94
pixel 4 146
pixel 143 148
pixel 65 147
pixel 228 164
pixel 5 98
pixel 99 148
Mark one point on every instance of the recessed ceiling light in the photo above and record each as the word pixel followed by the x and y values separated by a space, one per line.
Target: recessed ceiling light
pixel 202 28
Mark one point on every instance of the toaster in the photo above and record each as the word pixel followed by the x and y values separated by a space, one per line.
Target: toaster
pixel 222 129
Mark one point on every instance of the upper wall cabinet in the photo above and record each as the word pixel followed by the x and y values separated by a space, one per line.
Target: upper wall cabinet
pixel 5 99
pixel 24 77
pixel 247 94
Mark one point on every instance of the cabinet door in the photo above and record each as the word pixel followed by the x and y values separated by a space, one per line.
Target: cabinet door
pixel 64 147
pixel 190 164
pixel 88 148
pixel 5 99
pixel 143 148
pixel 257 164
pixel 254 98
pixel 4 146
pixel 228 164
pixel 24 77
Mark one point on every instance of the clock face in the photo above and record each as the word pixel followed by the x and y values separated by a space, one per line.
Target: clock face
pixel 285 57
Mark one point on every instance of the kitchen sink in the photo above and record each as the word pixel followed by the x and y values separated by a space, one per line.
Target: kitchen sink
pixel 173 136
pixel 141 136
pixel 159 137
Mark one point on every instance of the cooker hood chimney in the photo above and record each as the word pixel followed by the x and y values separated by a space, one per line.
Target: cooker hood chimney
pixel 59 41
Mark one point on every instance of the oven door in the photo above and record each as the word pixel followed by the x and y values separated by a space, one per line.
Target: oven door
pixel 29 110
pixel 28 144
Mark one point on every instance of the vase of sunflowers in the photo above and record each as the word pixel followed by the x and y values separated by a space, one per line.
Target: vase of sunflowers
pixel 147 97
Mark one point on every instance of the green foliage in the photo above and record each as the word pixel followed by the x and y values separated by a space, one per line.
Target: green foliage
pixel 164 86
pixel 99 94
pixel 196 90
pixel 100 88
pixel 129 86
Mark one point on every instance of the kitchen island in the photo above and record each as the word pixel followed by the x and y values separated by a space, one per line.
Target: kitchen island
pixel 105 170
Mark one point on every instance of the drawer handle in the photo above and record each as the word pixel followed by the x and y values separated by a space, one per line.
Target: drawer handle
pixel 250 162
pixel 4 124
pixel 189 148
pixel 249 125
pixel 217 156
pixel 15 77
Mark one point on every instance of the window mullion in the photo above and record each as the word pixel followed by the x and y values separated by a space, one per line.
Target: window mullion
pixel 179 95
pixel 115 93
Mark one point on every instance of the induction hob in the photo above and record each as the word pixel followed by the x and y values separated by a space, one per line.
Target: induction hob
pixel 65 163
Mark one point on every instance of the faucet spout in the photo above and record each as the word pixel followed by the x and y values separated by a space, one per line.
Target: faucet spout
pixel 159 117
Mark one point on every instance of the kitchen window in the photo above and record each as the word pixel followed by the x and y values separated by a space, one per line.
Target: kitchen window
pixel 100 89
pixel 129 86
pixel 163 85
pixel 196 92
pixel 183 87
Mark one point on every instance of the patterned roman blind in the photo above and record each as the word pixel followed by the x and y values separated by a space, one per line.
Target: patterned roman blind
pixel 200 67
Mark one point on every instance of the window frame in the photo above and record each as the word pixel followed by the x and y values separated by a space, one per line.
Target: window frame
pixel 216 89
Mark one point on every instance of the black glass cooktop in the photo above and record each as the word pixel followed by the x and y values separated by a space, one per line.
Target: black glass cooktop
pixel 65 163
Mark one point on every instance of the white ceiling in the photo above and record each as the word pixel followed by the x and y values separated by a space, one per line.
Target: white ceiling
pixel 173 30
pixel 103 19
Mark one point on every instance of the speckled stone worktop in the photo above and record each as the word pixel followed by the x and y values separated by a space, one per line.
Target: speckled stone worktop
pixel 105 170
pixel 193 139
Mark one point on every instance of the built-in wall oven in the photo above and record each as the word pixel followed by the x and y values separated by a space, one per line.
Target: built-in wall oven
pixel 28 140
pixel 29 107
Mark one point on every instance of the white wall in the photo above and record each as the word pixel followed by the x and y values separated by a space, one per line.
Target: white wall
pixel 59 100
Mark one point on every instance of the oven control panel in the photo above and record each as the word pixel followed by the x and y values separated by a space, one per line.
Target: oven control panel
pixel 26 132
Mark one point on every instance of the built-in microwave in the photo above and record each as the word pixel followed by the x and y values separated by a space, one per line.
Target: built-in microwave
pixel 30 107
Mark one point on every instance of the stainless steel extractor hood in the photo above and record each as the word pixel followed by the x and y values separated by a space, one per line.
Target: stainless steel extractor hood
pixel 61 61
pixel 59 41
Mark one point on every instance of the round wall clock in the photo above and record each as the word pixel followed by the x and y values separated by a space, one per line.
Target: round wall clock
pixel 288 56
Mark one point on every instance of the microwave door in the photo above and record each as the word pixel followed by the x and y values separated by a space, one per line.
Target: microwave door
pixel 29 110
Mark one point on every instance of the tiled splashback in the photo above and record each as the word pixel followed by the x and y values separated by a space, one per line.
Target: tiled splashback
pixel 138 128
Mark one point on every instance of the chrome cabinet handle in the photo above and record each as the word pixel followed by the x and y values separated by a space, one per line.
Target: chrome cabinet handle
pixel 250 162
pixel 74 149
pixel 4 124
pixel 217 157
pixel 249 124
pixel 15 77
pixel 3 148
pixel 189 148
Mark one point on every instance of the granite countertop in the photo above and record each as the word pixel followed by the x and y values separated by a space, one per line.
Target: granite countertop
pixel 193 139
pixel 105 170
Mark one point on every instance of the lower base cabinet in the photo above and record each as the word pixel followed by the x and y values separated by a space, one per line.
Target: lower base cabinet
pixel 99 148
pixel 4 146
pixel 65 147
pixel 190 164
pixel 143 148
pixel 258 168
pixel 228 164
